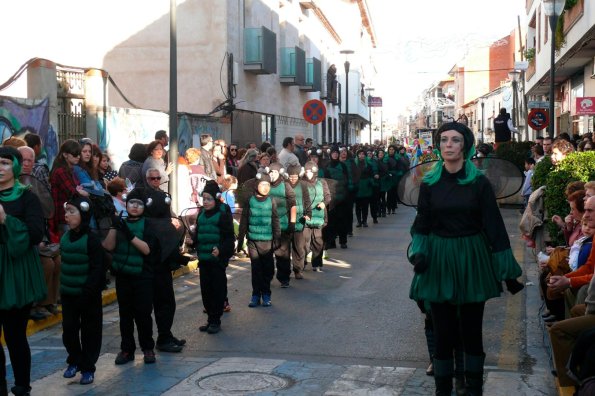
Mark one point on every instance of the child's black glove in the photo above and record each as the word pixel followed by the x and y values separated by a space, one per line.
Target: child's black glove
pixel 513 286
pixel 126 231
pixel 291 228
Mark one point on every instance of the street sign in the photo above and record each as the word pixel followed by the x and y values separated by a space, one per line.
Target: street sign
pixel 538 104
pixel 521 65
pixel 314 111
pixel 538 119
pixel 374 101
pixel 585 106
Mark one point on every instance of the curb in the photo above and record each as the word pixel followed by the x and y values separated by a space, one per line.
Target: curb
pixel 107 297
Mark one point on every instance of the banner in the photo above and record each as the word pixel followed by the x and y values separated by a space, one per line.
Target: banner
pixel 585 106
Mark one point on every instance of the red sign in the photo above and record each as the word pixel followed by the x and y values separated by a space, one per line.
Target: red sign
pixel 585 106
pixel 374 101
pixel 538 119
pixel 314 111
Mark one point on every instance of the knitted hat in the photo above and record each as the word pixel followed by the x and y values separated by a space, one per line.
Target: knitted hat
pixel 212 188
pixel 84 207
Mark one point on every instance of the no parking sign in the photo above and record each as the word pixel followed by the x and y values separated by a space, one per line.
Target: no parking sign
pixel 314 111
pixel 538 119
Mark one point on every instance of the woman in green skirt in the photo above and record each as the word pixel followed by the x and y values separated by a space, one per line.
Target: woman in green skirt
pixel 21 275
pixel 461 254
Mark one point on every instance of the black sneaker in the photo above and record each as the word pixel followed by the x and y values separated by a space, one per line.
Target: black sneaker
pixel 365 225
pixel 204 327
pixel 284 285
pixel 358 225
pixel 19 390
pixel 149 357
pixel 169 346
pixel 375 221
pixel 124 357
pixel 343 246
pixel 214 328
pixel 179 342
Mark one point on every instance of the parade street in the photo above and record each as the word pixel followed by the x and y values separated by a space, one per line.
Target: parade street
pixel 350 330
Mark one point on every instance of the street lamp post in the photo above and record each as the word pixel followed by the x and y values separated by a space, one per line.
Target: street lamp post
pixel 346 129
pixel 553 9
pixel 173 104
pixel 514 76
pixel 482 102
pixel 368 90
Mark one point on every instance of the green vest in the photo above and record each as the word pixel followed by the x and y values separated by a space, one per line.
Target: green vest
pixel 74 269
pixel 316 196
pixel 278 194
pixel 299 204
pixel 260 222
pixel 336 173
pixel 208 236
pixel 126 258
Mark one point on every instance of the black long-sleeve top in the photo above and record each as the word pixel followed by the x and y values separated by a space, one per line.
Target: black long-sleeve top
pixel 27 208
pixel 449 209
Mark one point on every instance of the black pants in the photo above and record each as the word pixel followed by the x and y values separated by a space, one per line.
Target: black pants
pixel 349 213
pixel 391 199
pixel 213 289
pixel 375 203
pixel 314 243
pixel 299 250
pixel 14 325
pixel 164 305
pixel 135 303
pixel 338 223
pixel 82 323
pixel 382 203
pixel 263 266
pixel 283 258
pixel 457 322
pixel 361 209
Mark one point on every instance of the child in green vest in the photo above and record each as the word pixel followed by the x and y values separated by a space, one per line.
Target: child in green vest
pixel 82 275
pixel 136 253
pixel 304 213
pixel 260 223
pixel 320 198
pixel 214 242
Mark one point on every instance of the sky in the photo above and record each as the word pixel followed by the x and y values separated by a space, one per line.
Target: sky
pixel 418 41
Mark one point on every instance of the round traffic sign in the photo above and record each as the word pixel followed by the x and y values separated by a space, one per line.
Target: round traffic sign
pixel 314 111
pixel 538 119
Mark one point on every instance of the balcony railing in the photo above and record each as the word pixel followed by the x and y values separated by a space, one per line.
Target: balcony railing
pixel 293 66
pixel 313 76
pixel 260 51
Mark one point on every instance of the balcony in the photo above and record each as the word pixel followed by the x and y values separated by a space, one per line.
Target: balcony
pixel 260 51
pixel 293 66
pixel 313 76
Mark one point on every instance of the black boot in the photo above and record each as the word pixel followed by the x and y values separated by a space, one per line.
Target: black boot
pixel 460 371
pixel 443 372
pixel 474 374
pixel 3 388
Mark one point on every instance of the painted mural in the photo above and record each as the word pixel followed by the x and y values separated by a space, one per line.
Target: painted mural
pixel 16 114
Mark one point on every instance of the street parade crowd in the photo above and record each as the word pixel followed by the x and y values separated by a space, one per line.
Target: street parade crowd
pixel 68 229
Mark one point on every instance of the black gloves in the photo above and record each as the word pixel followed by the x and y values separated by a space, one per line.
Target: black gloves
pixel 302 220
pixel 125 230
pixel 291 228
pixel 115 220
pixel 240 245
pixel 420 263
pixel 513 286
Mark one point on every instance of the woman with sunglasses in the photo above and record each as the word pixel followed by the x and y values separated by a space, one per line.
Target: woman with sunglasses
pixel 232 161
pixel 64 184
pixel 155 160
pixel 21 275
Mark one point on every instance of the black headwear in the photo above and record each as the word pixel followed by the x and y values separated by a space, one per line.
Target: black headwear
pixel 9 152
pixel 84 207
pixel 212 188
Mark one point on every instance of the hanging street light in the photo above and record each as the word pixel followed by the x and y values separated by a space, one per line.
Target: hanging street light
pixel 346 128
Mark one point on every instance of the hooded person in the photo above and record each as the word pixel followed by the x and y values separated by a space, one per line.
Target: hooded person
pixel 338 215
pixel 21 277
pixel 320 198
pixel 82 276
pixel 214 242
pixel 260 225
pixel 136 255
pixel 460 253
pixel 284 197
pixel 303 214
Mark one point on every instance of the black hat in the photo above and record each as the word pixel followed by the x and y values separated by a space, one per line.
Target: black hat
pixel 276 166
pixel 311 165
pixel 334 148
pixel 84 207
pixel 137 193
pixel 262 177
pixel 212 188
pixel 10 153
pixel 463 130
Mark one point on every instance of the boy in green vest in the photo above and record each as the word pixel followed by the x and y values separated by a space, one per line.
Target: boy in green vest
pixel 136 253
pixel 284 198
pixel 303 213
pixel 260 223
pixel 214 243
pixel 82 275
pixel 320 198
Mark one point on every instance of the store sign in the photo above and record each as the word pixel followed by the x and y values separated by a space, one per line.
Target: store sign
pixel 585 106
pixel 374 101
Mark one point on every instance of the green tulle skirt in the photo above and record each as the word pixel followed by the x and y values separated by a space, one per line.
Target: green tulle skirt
pixel 461 270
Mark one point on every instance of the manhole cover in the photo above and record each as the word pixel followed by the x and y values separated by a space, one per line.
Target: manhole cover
pixel 243 382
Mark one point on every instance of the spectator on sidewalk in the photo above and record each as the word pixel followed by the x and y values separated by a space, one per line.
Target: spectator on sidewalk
pixel 286 155
pixel 133 168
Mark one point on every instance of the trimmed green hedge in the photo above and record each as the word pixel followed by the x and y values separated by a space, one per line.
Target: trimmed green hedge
pixel 515 152
pixel 575 167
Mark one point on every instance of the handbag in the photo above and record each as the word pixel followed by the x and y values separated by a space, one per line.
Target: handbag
pixel 558 265
pixel 50 250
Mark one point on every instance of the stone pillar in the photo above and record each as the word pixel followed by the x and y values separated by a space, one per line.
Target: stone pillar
pixel 42 83
pixel 96 105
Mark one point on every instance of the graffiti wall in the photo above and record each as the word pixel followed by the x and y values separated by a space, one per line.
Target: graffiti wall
pixel 17 113
pixel 120 128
